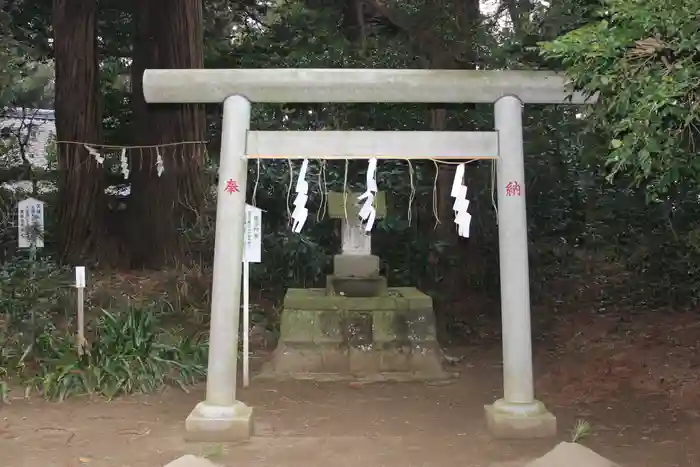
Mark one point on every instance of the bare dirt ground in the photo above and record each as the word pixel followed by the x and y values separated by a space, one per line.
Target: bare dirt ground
pixel 307 424
pixel 633 377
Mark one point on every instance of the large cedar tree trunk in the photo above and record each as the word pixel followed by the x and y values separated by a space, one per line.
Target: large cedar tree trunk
pixel 168 35
pixel 82 200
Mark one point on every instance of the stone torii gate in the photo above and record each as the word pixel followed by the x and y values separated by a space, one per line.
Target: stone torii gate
pixel 223 418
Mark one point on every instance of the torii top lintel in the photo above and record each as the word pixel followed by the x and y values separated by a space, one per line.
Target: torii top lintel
pixel 295 85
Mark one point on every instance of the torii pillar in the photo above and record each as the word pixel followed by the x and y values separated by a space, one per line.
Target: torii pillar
pixel 518 414
pixel 223 418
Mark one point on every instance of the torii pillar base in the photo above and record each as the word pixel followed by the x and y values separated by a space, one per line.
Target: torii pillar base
pixel 520 421
pixel 215 424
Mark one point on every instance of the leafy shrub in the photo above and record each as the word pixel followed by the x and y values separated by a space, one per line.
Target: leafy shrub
pixel 4 388
pixel 641 57
pixel 33 295
pixel 129 353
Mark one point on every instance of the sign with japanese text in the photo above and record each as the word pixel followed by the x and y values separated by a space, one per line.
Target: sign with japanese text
pixel 30 223
pixel 252 250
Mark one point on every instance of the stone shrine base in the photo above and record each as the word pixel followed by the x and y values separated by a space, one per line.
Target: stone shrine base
pixel 372 365
pixel 331 337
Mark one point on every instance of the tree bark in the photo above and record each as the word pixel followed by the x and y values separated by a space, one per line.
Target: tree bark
pixel 82 200
pixel 168 35
pixel 519 12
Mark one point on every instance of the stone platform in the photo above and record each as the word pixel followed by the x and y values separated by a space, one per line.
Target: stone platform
pixel 334 337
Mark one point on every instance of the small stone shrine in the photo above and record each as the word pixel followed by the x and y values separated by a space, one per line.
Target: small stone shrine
pixel 357 327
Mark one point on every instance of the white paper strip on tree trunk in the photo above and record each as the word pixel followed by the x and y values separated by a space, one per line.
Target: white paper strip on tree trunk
pixel 99 158
pixel 30 223
pixel 160 167
pixel 124 162
pixel 252 251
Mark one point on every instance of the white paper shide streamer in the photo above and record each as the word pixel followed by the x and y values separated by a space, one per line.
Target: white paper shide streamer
pixel 368 213
pixel 99 158
pixel 124 161
pixel 300 212
pixel 160 168
pixel 461 205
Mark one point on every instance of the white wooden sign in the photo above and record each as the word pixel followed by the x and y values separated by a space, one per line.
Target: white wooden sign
pixel 30 223
pixel 80 276
pixel 252 252
pixel 80 283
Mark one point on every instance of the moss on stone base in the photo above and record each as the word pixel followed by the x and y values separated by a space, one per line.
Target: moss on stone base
pixel 334 363
pixel 324 334
pixel 404 316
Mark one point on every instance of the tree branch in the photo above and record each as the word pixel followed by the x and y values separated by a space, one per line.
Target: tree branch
pixel 428 42
pixel 519 12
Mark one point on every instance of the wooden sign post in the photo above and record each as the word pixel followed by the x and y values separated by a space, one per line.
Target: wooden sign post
pixel 80 283
pixel 252 253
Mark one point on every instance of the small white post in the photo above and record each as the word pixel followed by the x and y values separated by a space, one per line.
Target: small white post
pixel 246 324
pixel 518 414
pixel 80 284
pixel 221 417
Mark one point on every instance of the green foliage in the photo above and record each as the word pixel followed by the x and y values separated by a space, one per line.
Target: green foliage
pixel 8 230
pixel 641 57
pixel 31 85
pixel 129 354
pixel 298 35
pixel 34 298
pixel 9 65
pixel 32 294
pixel 575 221
pixel 129 348
pixel 24 77
pixel 303 260
pixel 593 235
